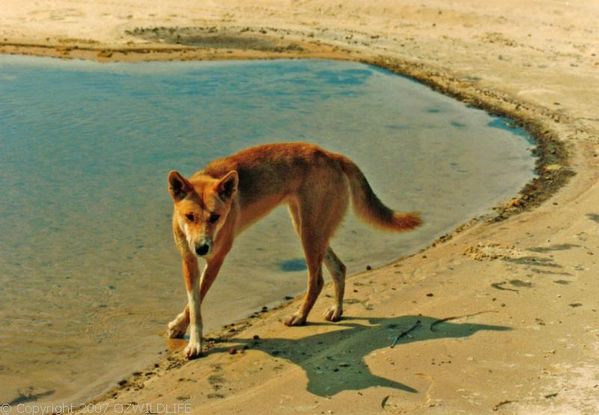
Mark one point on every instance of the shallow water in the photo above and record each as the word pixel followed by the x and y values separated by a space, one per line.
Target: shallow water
pixel 89 275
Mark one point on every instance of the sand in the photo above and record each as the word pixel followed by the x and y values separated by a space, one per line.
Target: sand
pixel 498 317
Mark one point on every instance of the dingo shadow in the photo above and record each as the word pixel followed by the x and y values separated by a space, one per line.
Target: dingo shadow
pixel 334 361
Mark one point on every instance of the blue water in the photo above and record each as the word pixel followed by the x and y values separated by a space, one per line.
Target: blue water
pixel 88 272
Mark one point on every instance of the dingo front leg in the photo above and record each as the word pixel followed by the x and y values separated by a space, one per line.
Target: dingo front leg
pixel 195 295
pixel 190 273
pixel 194 347
pixel 178 327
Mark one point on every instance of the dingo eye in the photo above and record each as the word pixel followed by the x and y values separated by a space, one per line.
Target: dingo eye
pixel 190 217
pixel 214 218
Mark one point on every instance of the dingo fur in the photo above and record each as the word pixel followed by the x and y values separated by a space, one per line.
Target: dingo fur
pixel 215 204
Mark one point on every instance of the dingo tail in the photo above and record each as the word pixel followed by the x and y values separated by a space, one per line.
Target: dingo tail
pixel 370 208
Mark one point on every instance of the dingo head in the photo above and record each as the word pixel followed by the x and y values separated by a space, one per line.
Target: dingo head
pixel 201 207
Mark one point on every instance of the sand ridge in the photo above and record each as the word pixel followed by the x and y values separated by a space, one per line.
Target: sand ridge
pixel 500 317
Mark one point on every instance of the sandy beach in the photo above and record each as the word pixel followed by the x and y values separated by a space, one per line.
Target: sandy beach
pixel 498 317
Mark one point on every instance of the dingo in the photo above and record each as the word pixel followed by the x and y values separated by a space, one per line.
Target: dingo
pixel 214 205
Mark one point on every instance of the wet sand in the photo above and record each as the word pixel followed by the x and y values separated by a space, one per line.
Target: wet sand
pixel 498 317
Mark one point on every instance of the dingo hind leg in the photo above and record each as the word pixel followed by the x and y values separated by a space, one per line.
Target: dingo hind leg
pixel 316 214
pixel 314 250
pixel 337 270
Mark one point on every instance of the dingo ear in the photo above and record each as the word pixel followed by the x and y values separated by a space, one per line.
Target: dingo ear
pixel 227 185
pixel 178 186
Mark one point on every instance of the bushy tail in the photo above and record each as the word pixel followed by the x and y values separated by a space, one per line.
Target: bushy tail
pixel 369 207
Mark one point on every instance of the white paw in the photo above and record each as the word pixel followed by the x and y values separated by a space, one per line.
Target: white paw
pixel 333 314
pixel 176 329
pixel 193 349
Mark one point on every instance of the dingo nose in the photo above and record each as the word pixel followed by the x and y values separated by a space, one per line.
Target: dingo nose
pixel 203 249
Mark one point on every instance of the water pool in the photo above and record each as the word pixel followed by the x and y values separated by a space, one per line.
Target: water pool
pixel 89 275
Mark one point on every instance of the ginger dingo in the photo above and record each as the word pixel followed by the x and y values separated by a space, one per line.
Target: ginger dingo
pixel 215 204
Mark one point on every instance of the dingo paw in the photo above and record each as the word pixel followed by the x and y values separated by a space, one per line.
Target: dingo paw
pixel 193 349
pixel 333 314
pixel 176 329
pixel 295 320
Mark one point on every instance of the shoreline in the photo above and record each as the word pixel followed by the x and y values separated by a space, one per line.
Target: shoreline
pixel 558 160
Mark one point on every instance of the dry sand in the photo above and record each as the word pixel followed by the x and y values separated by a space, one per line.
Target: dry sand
pixel 499 317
